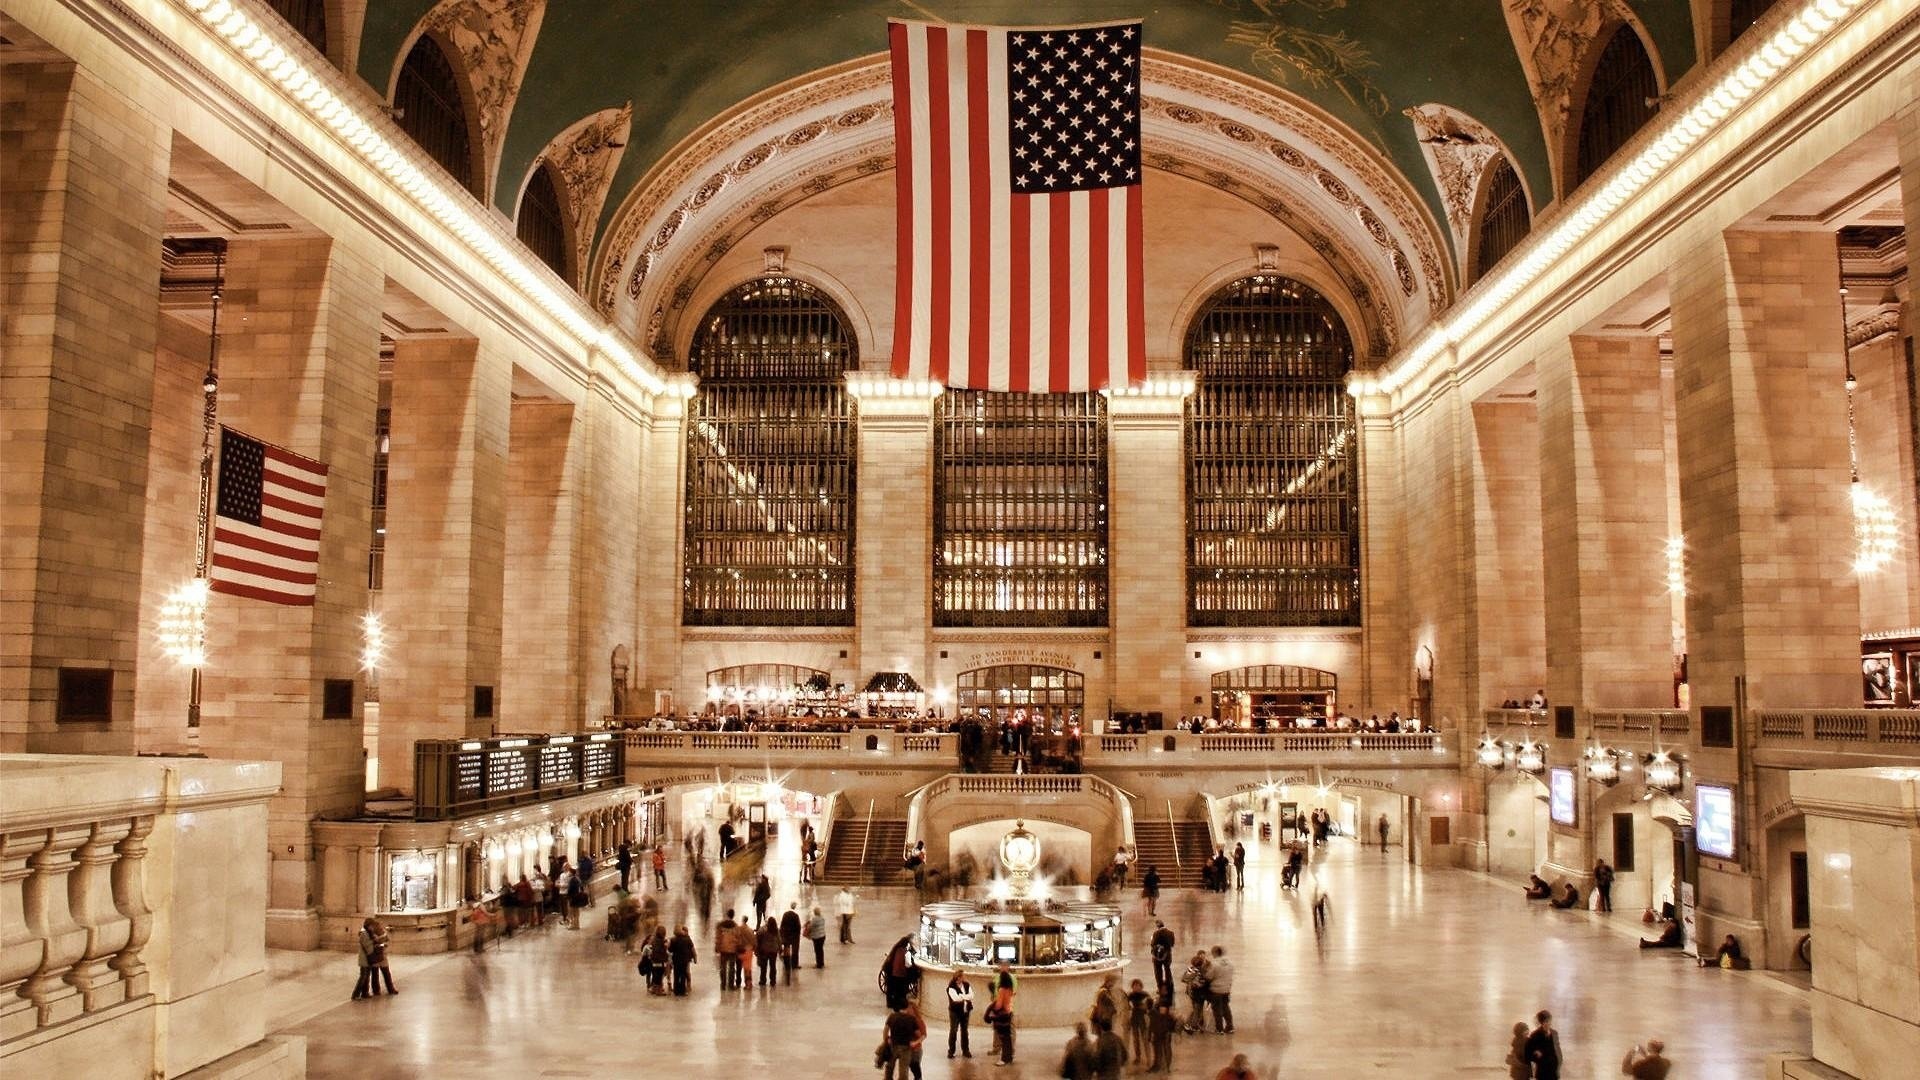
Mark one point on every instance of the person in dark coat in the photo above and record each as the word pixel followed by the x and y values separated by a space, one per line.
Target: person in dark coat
pixel 766 949
pixel 680 952
pixel 762 892
pixel 897 973
pixel 1161 947
pixel 1543 1048
pixel 790 941
pixel 624 861
pixel 1150 889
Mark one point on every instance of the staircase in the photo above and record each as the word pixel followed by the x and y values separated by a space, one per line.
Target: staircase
pixel 1153 842
pixel 882 864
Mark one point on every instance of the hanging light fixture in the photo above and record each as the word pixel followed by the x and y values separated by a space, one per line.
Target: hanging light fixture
pixel 1603 764
pixel 183 624
pixel 1663 772
pixel 1876 527
pixel 1490 754
pixel 373 643
pixel 1676 566
pixel 1530 757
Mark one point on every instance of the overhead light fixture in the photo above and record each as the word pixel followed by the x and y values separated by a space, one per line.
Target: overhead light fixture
pixel 1490 754
pixel 1530 757
pixel 182 629
pixel 1602 763
pixel 1663 772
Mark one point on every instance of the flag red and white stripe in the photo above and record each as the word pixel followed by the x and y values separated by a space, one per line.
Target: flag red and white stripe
pixel 999 288
pixel 266 536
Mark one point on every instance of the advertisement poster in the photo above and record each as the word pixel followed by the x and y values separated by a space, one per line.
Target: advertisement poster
pixel 1560 795
pixel 1713 821
pixel 1690 943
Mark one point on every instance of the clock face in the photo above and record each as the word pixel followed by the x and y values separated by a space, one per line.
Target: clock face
pixel 1020 852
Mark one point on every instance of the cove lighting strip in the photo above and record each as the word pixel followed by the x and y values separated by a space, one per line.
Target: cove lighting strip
pixel 347 123
pixel 1810 26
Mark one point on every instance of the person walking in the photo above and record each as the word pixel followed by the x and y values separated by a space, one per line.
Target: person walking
pixel 623 861
pixel 816 932
pixel 1382 826
pixel 959 1013
pixel 1139 1017
pixel 1195 980
pixel 1239 865
pixel 1603 884
pixel 1518 1067
pixel 660 866
pixel 898 1034
pixel 790 942
pixel 726 953
pixel 762 893
pixel 843 906
pixel 680 952
pixel 766 948
pixel 1109 1054
pixel 1543 1048
pixel 1161 947
pixel 1000 1013
pixel 1647 1062
pixel 897 972
pixel 1220 991
pixel 1160 1031
pixel 1077 1063
pixel 1150 889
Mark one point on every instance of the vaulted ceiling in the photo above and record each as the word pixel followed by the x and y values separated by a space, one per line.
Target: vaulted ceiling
pixel 609 91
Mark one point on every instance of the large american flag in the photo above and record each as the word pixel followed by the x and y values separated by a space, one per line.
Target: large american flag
pixel 266 535
pixel 1018 184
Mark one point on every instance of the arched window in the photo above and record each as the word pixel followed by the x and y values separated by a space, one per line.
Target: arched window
pixel 542 225
pixel 431 112
pixel 308 17
pixel 770 461
pixel 1622 96
pixel 1504 221
pixel 1742 14
pixel 1273 533
pixel 1020 509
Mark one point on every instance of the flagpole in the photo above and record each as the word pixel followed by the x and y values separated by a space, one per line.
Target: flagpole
pixel 209 419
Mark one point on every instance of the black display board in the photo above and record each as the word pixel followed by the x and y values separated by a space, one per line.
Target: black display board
pixel 456 777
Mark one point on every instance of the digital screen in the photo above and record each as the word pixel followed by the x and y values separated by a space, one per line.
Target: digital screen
pixel 507 772
pixel 1713 820
pixel 599 761
pixel 1010 953
pixel 557 766
pixel 469 776
pixel 1560 798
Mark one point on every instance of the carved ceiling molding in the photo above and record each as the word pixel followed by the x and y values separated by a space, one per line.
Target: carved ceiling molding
pixel 585 156
pixel 1873 326
pixel 1458 150
pixel 494 39
pixel 1553 38
pixel 795 143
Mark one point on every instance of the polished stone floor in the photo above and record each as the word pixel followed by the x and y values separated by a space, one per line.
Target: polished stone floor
pixel 1421 974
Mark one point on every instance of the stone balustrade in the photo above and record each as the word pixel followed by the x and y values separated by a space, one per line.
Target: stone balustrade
pixel 133 904
pixel 1885 731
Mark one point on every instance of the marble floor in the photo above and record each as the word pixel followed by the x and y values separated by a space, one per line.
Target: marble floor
pixel 1421 974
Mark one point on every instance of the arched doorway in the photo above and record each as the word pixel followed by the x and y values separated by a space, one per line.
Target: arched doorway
pixel 1264 696
pixel 1047 697
pixel 1789 901
pixel 1639 838
pixel 769 689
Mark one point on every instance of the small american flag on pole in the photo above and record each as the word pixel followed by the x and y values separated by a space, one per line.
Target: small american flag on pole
pixel 266 535
pixel 1018 182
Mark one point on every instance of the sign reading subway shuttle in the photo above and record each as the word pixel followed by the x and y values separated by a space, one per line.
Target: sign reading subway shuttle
pixel 454 777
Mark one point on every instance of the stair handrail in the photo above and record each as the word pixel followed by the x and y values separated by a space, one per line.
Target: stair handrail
pixel 868 835
pixel 823 836
pixel 1174 832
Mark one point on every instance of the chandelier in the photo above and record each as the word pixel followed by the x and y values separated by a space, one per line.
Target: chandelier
pixel 1876 528
pixel 373 644
pixel 182 630
pixel 1663 772
pixel 1489 754
pixel 1603 764
pixel 1530 757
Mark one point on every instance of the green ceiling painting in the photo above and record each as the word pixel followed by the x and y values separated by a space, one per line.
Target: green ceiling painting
pixel 681 62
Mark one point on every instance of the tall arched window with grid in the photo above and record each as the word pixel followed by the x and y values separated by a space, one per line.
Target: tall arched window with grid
pixel 771 446
pixel 1020 509
pixel 1622 96
pixel 429 108
pixel 1504 220
pixel 1273 535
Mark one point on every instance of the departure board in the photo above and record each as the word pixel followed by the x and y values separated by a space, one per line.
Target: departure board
pixel 509 771
pixel 559 766
pixel 458 776
pixel 598 761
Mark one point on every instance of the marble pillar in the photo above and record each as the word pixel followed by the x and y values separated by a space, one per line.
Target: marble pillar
pixel 894 534
pixel 609 561
pixel 1146 462
pixel 299 368
pixel 446 542
pixel 539 674
pixel 1386 673
pixel 1603 521
pixel 658 593
pixel 1507 551
pixel 1863 848
pixel 83 208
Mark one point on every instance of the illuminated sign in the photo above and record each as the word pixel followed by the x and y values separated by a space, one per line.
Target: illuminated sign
pixel 1713 820
pixel 1560 792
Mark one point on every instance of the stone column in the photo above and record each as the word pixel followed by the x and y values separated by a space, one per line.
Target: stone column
pixel 1603 515
pixel 608 515
pixel 299 368
pixel 894 528
pixel 1437 523
pixel 83 209
pixel 1386 673
pixel 539 672
pixel 1146 496
pixel 1507 552
pixel 446 519
pixel 1773 611
pixel 657 588
pixel 1863 864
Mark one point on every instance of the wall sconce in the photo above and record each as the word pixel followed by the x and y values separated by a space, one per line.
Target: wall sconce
pixel 1531 757
pixel 1663 772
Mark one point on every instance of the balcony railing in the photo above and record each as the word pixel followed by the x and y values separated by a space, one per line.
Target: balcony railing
pixel 938 748
pixel 1894 729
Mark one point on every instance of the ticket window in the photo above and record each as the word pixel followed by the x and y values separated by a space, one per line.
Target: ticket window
pixel 1086 942
pixel 413 881
pixel 1004 944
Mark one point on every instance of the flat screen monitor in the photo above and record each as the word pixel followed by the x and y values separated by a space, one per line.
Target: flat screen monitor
pixel 1560 795
pixel 1713 820
pixel 1007 951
